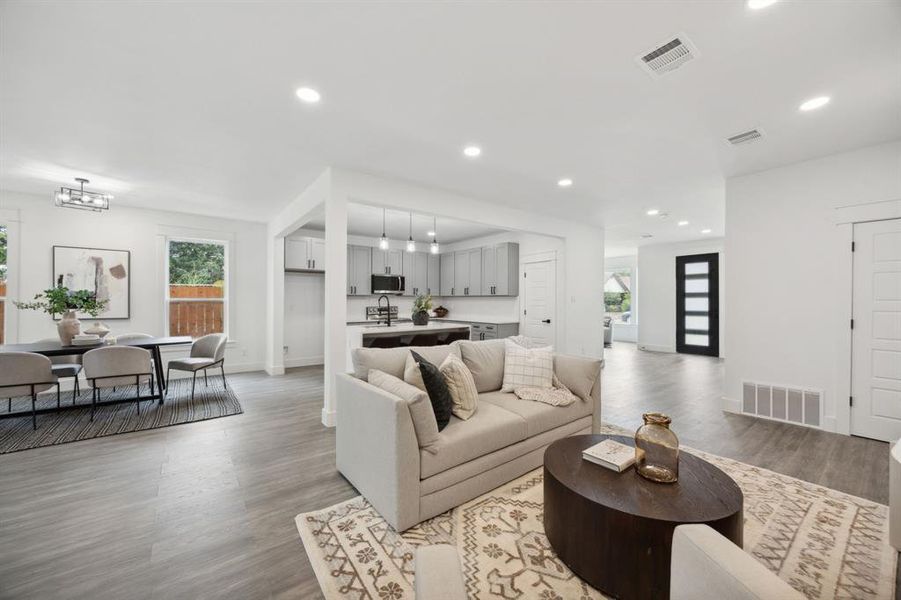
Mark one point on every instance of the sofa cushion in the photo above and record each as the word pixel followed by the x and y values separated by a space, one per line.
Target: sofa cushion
pixel 531 367
pixel 421 412
pixel 489 429
pixel 462 388
pixel 485 361
pixel 392 360
pixel 539 417
pixel 577 373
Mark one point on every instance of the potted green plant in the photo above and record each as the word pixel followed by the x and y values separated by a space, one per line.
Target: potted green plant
pixel 421 307
pixel 61 300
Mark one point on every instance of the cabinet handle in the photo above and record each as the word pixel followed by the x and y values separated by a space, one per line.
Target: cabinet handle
pixel 314 263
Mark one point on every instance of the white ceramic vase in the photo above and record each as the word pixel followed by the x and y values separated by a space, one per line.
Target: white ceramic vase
pixel 68 327
pixel 99 329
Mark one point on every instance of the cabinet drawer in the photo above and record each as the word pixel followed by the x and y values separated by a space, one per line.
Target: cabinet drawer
pixel 476 326
pixel 490 327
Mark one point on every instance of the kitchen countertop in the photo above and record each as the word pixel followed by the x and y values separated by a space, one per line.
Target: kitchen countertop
pixel 454 319
pixel 402 328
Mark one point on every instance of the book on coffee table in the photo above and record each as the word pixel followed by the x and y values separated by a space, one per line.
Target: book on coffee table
pixel 610 454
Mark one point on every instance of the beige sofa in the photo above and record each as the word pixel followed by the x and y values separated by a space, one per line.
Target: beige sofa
pixel 379 453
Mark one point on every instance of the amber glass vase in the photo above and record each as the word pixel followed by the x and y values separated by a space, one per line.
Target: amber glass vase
pixel 657 449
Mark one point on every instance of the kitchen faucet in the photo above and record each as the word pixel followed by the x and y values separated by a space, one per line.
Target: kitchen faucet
pixel 388 312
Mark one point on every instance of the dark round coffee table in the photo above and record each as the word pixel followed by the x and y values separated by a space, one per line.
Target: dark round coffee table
pixel 615 530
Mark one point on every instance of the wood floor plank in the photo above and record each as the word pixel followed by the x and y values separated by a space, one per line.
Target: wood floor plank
pixel 206 510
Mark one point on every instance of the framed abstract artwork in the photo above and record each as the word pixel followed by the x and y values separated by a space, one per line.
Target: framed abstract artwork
pixel 107 273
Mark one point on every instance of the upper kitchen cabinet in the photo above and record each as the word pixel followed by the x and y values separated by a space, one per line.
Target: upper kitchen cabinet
pixel 305 254
pixel 387 262
pixel 416 273
pixel 359 270
pixel 447 275
pixel 500 270
pixel 468 272
pixel 433 279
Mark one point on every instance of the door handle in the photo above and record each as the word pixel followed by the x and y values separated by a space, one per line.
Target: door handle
pixel 545 320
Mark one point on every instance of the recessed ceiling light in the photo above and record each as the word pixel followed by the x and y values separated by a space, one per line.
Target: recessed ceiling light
pixel 472 151
pixel 814 103
pixel 705 231
pixel 682 223
pixel 565 182
pixel 758 4
pixel 653 212
pixel 308 95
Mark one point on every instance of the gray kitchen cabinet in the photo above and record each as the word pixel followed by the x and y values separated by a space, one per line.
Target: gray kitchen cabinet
pixel 500 270
pixel 468 272
pixel 359 270
pixel 416 273
pixel 492 331
pixel 305 254
pixel 387 262
pixel 433 277
pixel 447 275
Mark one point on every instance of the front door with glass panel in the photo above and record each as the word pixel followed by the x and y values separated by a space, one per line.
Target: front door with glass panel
pixel 697 304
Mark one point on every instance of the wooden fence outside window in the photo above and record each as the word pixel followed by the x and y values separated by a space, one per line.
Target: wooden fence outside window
pixel 196 310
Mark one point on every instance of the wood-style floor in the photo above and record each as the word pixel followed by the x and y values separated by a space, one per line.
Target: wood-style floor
pixel 205 510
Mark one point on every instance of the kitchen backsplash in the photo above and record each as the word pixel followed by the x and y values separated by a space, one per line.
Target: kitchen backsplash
pixel 500 308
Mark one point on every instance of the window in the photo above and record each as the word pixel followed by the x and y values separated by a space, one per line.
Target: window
pixel 618 295
pixel 196 296
pixel 3 245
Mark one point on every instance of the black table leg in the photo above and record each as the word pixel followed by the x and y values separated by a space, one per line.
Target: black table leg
pixel 158 363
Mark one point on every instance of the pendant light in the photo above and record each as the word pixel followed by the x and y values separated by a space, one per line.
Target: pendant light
pixel 383 241
pixel 434 245
pixel 411 245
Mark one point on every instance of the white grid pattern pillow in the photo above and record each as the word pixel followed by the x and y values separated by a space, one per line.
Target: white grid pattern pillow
pixel 527 367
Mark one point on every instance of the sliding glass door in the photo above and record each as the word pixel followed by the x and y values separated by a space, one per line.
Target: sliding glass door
pixel 697 304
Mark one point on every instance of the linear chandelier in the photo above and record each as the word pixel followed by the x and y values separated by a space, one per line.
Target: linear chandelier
pixel 81 198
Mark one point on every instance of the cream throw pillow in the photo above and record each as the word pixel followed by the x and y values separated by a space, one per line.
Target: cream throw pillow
pixel 462 386
pixel 527 367
pixel 412 374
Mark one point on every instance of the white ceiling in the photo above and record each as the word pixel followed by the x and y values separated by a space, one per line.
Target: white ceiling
pixel 365 220
pixel 190 106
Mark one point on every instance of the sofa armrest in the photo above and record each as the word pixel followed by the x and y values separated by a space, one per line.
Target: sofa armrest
pixel 582 375
pixel 376 449
pixel 439 575
pixel 707 565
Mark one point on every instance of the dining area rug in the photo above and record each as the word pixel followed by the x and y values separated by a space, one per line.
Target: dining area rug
pixel 824 543
pixel 60 427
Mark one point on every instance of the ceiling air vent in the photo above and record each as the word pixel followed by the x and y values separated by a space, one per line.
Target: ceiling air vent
pixel 745 137
pixel 668 56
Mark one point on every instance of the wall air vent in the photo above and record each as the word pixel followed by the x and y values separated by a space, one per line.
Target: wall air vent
pixel 793 404
pixel 667 56
pixel 745 137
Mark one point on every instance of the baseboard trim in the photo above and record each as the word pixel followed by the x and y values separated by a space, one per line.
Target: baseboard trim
pixel 273 370
pixel 730 405
pixel 328 418
pixel 304 361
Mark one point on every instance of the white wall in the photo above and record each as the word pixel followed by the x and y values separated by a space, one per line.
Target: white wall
pixel 40 226
pixel 783 283
pixel 304 319
pixel 626 332
pixel 657 292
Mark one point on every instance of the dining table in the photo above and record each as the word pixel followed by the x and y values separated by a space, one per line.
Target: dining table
pixel 55 348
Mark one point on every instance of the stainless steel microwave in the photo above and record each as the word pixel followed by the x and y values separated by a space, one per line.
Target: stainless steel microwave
pixel 388 284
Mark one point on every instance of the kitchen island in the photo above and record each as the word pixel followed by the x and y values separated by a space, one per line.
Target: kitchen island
pixel 400 334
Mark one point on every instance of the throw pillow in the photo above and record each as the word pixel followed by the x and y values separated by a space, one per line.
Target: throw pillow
pixel 412 375
pixel 527 367
pixel 462 386
pixel 421 412
pixel 436 387
pixel 485 361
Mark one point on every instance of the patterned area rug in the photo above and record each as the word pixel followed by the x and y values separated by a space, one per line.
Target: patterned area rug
pixel 73 425
pixel 824 543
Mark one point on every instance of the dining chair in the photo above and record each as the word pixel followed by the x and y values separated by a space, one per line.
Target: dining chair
pixel 131 337
pixel 66 366
pixel 207 352
pixel 26 374
pixel 114 366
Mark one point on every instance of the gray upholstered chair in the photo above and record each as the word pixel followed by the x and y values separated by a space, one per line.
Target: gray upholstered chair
pixel 130 337
pixel 207 352
pixel 26 374
pixel 114 366
pixel 68 365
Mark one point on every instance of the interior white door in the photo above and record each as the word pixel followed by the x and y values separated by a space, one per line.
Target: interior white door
pixel 539 301
pixel 876 334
